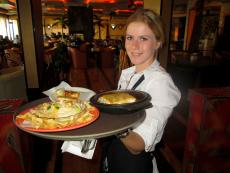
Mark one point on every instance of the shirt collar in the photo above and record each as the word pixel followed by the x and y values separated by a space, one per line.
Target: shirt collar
pixel 154 66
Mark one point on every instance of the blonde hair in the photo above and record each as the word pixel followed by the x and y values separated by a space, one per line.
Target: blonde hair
pixel 152 19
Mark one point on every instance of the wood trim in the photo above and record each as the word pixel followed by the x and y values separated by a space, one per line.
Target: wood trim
pixel 166 13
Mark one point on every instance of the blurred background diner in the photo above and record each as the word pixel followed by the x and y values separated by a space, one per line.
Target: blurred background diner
pixel 82 43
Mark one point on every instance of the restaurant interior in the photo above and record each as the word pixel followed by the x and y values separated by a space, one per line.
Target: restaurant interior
pixel 45 42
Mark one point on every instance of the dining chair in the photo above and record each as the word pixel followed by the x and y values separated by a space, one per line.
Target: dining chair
pixel 107 58
pixel 124 61
pixel 12 57
pixel 79 56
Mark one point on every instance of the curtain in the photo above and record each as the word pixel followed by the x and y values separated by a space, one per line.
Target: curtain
pixel 3 28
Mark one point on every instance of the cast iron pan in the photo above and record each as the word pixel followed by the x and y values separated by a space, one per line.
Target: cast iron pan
pixel 142 102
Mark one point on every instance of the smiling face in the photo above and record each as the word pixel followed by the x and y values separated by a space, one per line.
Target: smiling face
pixel 141 45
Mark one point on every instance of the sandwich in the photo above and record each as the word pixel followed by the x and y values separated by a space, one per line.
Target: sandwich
pixel 67 94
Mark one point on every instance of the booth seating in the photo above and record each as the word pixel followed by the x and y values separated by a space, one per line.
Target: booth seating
pixel 207 138
pixel 11 156
pixel 79 56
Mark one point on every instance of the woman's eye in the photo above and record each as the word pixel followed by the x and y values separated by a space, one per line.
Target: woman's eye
pixel 128 37
pixel 143 38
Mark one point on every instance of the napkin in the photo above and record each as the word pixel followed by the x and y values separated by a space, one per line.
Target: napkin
pixel 85 94
pixel 76 147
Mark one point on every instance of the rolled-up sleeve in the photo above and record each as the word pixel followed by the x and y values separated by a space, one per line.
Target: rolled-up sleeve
pixel 165 96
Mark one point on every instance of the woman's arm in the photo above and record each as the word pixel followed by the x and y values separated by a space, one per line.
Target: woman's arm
pixel 133 142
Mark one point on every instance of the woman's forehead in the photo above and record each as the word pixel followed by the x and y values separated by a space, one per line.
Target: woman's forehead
pixel 139 28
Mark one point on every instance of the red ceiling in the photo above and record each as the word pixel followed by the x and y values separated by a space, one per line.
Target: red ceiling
pixel 121 6
pixel 60 6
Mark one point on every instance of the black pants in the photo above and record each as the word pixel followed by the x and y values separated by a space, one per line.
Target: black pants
pixel 120 160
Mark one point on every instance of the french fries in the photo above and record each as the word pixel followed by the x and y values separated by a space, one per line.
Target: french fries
pixel 55 123
pixel 65 111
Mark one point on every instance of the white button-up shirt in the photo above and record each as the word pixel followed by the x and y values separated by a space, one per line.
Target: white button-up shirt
pixel 165 96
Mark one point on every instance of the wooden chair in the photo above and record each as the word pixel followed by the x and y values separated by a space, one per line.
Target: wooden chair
pixel 79 56
pixel 13 57
pixel 107 58
pixel 124 61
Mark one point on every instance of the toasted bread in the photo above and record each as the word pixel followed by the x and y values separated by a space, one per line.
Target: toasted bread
pixel 117 98
pixel 67 94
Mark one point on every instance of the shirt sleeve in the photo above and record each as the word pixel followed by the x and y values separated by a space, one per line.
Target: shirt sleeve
pixel 165 96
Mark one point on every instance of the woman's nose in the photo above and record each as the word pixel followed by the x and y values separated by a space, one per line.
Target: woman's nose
pixel 135 44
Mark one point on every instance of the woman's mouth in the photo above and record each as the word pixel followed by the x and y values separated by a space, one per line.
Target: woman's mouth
pixel 134 54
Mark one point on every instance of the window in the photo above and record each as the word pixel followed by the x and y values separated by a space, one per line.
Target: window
pixel 8 27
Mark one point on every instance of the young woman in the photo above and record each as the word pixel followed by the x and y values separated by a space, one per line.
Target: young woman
pixel 131 153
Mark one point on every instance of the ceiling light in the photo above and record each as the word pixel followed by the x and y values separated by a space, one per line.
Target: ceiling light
pixel 113 26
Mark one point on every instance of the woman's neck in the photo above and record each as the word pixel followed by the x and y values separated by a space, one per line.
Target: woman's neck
pixel 143 66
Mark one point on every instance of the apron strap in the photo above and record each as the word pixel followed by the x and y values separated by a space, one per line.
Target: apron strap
pixel 138 82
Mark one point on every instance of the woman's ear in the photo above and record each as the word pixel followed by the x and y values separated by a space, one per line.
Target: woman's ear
pixel 159 45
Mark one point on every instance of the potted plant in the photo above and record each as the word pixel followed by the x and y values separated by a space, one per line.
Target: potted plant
pixel 63 21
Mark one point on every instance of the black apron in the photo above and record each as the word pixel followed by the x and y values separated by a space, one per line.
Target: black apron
pixel 118 159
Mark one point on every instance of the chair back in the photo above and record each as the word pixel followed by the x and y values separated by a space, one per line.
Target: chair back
pixel 124 61
pixel 107 58
pixel 13 57
pixel 79 56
